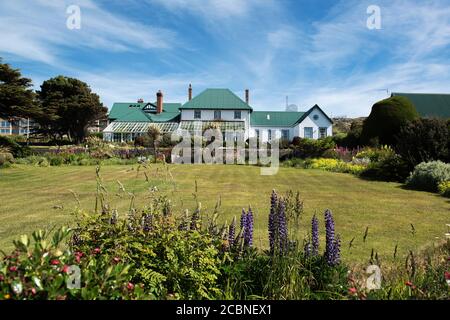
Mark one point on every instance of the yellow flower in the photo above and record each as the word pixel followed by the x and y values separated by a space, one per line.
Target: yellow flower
pixel 7 296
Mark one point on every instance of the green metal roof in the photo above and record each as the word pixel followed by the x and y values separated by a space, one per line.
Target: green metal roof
pixel 429 104
pixel 281 118
pixel 216 99
pixel 275 118
pixel 131 111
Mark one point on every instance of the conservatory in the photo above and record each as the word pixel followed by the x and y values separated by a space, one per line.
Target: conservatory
pixel 123 131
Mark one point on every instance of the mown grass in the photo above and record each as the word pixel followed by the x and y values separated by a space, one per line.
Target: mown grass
pixel 35 197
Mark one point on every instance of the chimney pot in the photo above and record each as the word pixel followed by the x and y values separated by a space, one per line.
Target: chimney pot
pixel 159 102
pixel 190 92
pixel 246 96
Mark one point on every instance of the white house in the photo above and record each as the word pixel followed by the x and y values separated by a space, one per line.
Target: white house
pixel 218 107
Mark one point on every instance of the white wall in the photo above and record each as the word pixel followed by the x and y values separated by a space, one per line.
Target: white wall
pixel 309 121
pixel 208 115
pixel 276 132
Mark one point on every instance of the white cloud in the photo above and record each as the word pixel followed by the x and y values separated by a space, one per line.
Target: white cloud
pixel 37 30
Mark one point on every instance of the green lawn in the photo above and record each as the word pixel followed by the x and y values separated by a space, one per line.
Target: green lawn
pixel 34 197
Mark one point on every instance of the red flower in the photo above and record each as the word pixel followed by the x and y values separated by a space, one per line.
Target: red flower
pixel 97 250
pixel 130 286
pixel 447 275
pixel 54 262
pixel 78 256
pixel 13 269
pixel 410 284
pixel 65 268
pixel 352 290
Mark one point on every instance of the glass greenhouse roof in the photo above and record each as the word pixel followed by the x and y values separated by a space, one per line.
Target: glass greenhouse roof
pixel 135 127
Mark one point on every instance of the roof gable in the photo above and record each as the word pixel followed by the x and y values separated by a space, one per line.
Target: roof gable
pixel 429 104
pixel 223 99
pixel 281 118
pixel 130 111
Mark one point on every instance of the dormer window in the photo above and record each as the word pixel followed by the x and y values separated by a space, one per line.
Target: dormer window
pixel 149 108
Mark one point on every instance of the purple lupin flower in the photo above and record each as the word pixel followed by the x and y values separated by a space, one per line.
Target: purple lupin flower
pixel 308 249
pixel 248 230
pixel 314 236
pixel 272 219
pixel 232 232
pixel 332 250
pixel 147 222
pixel 282 231
pixel 337 251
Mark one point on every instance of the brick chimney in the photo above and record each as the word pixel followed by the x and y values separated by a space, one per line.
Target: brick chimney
pixel 159 102
pixel 246 96
pixel 190 92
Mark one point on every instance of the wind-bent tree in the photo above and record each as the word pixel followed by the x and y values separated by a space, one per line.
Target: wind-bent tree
pixel 16 95
pixel 68 107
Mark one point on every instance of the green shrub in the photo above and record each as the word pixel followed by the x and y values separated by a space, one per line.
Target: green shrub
pixel 6 159
pixel 375 154
pixel 56 160
pixel 444 188
pixel 15 148
pixel 310 148
pixel 40 269
pixel 389 167
pixel 424 140
pixel 428 175
pixel 386 119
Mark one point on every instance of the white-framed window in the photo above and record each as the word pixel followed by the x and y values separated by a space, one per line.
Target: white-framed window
pixel 237 114
pixel 308 132
pixel 285 134
pixel 4 124
pixel 197 114
pixel 217 115
pixel 322 132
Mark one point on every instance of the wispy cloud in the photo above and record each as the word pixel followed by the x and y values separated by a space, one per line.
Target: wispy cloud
pixel 37 30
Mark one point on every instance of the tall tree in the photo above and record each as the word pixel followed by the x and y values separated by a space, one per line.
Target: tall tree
pixel 16 95
pixel 69 107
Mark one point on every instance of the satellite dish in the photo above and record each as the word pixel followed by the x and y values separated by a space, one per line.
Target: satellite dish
pixel 292 107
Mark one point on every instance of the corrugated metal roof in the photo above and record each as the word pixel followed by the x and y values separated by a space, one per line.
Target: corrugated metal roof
pixel 275 118
pixel 216 99
pixel 130 111
pixel 429 104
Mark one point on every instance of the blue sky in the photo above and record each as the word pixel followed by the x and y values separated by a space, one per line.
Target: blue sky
pixel 310 50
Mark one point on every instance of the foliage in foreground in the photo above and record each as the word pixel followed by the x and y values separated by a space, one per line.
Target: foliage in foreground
pixel 158 253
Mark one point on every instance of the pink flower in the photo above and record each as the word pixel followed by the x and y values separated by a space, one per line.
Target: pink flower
pixel 13 269
pixel 2 278
pixel 33 291
pixel 116 259
pixel 130 286
pixel 352 290
pixel 65 268
pixel 54 262
pixel 97 250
